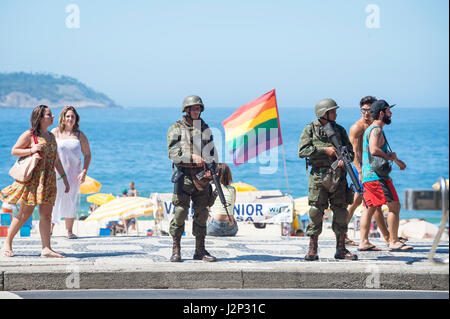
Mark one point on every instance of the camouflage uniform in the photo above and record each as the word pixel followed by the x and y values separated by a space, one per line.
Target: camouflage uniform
pixel 183 140
pixel 325 185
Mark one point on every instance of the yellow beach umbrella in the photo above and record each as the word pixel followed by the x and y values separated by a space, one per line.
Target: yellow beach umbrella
pixel 90 186
pixel 437 185
pixel 123 207
pixel 100 198
pixel 301 205
pixel 243 187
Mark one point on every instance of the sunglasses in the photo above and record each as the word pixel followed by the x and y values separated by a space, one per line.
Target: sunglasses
pixel 365 110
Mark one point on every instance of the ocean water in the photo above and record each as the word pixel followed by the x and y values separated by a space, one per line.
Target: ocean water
pixel 129 144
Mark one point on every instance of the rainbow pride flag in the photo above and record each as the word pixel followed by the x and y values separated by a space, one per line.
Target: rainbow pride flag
pixel 253 128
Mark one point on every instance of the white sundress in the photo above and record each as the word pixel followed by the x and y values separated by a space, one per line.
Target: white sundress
pixel 69 151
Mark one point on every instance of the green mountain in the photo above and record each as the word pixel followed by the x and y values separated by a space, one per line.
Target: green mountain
pixel 27 90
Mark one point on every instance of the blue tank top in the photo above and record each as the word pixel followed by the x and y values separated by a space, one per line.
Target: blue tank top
pixel 367 171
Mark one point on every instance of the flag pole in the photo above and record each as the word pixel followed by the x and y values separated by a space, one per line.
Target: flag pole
pixel 282 145
pixel 285 170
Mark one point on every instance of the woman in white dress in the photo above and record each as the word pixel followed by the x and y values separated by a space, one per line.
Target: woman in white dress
pixel 71 142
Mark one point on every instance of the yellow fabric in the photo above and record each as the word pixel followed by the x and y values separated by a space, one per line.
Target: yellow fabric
pixel 89 186
pixel 123 207
pixel 100 198
pixel 243 187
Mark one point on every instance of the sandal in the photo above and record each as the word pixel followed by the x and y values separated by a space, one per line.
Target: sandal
pixel 8 253
pixel 400 239
pixel 370 248
pixel 72 236
pixel 402 247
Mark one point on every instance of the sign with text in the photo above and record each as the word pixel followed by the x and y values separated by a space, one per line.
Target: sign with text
pixel 249 212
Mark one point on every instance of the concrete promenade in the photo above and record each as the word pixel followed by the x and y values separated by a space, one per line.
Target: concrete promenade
pixel 256 258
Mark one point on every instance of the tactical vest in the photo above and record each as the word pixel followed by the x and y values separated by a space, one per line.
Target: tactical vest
pixel 320 139
pixel 189 139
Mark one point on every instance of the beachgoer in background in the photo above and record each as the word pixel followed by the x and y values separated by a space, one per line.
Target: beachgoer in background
pixel 92 207
pixel 218 223
pixel 127 222
pixel 184 139
pixel 41 188
pixel 71 143
pixel 327 187
pixel 380 190
pixel 132 191
pixel 356 138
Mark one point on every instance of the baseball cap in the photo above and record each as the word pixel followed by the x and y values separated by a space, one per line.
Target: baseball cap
pixel 380 105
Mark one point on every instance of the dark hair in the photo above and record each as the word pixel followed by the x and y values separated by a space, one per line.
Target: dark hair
pixel 376 116
pixel 224 174
pixel 367 100
pixel 62 125
pixel 36 116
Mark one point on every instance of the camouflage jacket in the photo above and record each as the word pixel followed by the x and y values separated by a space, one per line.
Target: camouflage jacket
pixel 314 139
pixel 184 139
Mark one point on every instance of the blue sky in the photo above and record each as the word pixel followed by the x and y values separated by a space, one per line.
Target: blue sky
pixel 154 53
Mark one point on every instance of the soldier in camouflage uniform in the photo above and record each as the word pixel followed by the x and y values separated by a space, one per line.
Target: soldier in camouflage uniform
pixel 326 186
pixel 190 145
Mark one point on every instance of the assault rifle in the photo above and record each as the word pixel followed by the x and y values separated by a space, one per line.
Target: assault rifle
pixel 343 156
pixel 211 166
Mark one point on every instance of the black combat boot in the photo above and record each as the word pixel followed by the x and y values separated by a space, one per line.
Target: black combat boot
pixel 313 246
pixel 200 252
pixel 341 251
pixel 176 250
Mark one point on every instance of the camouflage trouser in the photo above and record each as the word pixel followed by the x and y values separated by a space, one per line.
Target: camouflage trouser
pixel 200 199
pixel 320 198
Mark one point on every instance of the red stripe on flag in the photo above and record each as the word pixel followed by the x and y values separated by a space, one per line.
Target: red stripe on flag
pixel 248 106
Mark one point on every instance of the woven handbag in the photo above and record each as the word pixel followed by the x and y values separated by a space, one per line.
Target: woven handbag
pixel 22 169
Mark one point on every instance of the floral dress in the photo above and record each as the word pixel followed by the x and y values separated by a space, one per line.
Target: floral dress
pixel 41 188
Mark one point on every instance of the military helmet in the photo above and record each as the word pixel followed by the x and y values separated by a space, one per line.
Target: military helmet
pixel 192 100
pixel 323 106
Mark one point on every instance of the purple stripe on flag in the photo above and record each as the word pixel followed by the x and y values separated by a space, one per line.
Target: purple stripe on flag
pixel 255 147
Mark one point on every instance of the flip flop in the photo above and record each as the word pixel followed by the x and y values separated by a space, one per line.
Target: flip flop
pixel 8 253
pixel 370 248
pixel 401 248
pixel 73 236
pixel 400 239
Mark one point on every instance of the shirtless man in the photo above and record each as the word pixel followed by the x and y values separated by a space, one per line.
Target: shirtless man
pixel 356 138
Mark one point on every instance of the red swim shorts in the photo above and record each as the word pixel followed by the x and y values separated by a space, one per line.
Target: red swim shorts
pixel 379 192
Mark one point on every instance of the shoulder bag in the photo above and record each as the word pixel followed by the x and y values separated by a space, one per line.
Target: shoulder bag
pixel 22 169
pixel 381 166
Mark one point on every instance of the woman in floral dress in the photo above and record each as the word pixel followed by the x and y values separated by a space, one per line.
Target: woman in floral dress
pixel 41 188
